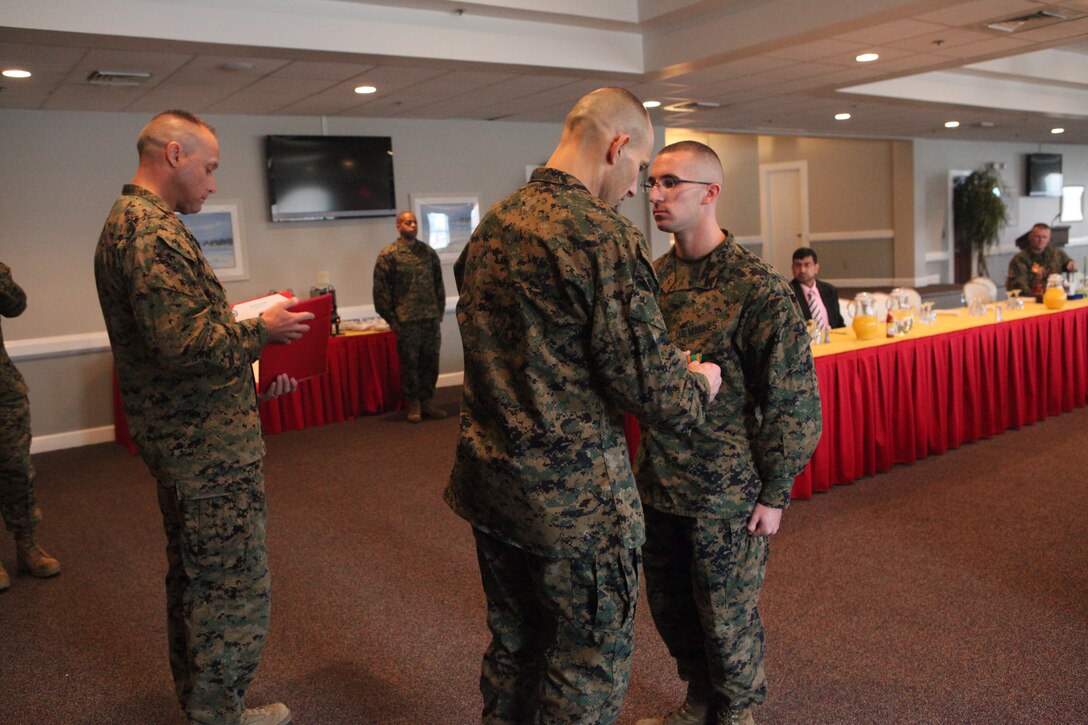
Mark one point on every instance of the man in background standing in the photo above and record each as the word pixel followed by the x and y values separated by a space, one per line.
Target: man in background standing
pixel 1031 266
pixel 409 294
pixel 184 366
pixel 817 299
pixel 17 503
pixel 561 334
pixel 715 495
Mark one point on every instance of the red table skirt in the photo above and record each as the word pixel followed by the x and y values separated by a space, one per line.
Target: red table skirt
pixel 363 379
pixel 923 396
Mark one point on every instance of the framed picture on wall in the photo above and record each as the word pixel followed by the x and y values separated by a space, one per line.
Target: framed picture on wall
pixel 446 222
pixel 218 228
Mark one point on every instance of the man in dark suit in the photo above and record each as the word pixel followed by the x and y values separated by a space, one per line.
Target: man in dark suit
pixel 817 299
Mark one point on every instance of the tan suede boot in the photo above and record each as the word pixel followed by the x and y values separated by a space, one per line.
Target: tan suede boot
pixel 415 412
pixel 431 410
pixel 696 710
pixel 32 558
pixel 736 717
pixel 5 580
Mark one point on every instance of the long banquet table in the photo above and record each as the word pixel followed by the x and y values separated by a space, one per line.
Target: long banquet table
pixel 363 379
pixel 959 380
pixel 963 378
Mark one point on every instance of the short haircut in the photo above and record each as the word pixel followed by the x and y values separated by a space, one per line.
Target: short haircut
pixel 803 252
pixel 693 147
pixel 151 133
pixel 1041 225
pixel 607 110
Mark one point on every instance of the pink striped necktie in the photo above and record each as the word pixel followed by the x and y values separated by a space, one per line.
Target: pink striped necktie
pixel 815 307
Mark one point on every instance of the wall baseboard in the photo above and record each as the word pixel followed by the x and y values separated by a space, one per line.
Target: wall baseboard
pixel 449 380
pixel 71 439
pixel 104 434
pixel 921 281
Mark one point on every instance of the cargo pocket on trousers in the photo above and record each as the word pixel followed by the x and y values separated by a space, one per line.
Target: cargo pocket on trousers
pixel 216 529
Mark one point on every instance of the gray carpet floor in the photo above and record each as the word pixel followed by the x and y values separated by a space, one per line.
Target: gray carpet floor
pixel 951 591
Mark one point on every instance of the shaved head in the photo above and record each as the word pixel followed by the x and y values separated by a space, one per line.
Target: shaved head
pixel 180 126
pixel 706 163
pixel 607 112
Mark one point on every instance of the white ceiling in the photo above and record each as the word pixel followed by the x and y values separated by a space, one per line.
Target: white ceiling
pixel 770 66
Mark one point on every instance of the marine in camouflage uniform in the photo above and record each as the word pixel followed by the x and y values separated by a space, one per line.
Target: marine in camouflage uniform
pixel 17 503
pixel 704 564
pixel 561 333
pixel 184 368
pixel 1030 267
pixel 410 296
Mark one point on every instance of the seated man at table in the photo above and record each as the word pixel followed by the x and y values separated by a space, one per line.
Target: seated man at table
pixel 712 496
pixel 1029 269
pixel 818 300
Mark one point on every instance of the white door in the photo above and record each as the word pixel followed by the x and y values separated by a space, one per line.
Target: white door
pixel 783 201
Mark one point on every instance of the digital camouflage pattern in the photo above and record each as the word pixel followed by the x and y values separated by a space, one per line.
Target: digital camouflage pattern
pixel 1028 271
pixel 184 367
pixel 704 571
pixel 183 361
pixel 592 605
pixel 217 591
pixel 410 296
pixel 761 429
pixel 418 344
pixel 408 283
pixel 17 502
pixel 561 333
pixel 703 578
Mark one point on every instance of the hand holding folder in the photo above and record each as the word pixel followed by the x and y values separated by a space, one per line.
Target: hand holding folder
pixel 299 357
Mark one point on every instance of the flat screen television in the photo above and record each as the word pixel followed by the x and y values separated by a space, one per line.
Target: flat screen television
pixel 1044 175
pixel 312 178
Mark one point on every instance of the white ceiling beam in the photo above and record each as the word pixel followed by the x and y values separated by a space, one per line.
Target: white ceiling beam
pixel 331 25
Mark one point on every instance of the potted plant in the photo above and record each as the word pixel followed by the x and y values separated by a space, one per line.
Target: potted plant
pixel 980 213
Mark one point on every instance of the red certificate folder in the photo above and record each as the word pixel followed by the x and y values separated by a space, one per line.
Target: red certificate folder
pixel 306 357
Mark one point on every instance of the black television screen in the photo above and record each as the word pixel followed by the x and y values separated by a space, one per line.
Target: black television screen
pixel 1044 174
pixel 329 177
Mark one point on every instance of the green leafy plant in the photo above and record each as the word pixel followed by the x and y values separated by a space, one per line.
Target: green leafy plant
pixel 980 213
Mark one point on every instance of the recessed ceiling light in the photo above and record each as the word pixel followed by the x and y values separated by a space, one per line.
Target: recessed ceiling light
pixel 842 116
pixel 366 89
pixel 951 124
pixel 1057 130
pixel 651 104
pixel 866 57
pixel 15 73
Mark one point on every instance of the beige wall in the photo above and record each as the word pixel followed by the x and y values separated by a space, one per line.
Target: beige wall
pixel 62 171
pixel 852 188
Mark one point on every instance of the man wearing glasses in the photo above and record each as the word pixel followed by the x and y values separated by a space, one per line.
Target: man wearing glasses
pixel 713 496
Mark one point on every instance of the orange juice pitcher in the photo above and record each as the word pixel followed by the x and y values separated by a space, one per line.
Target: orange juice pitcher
pixel 863 309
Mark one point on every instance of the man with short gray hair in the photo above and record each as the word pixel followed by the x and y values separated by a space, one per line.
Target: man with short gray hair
pixel 184 369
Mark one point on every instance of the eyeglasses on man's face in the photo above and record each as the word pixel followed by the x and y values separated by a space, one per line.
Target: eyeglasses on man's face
pixel 668 183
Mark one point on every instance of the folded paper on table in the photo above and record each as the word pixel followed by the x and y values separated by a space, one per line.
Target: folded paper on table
pixel 304 358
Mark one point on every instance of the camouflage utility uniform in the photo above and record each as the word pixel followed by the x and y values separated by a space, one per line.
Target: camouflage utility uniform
pixel 561 333
pixel 703 569
pixel 16 471
pixel 183 363
pixel 1028 270
pixel 410 296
